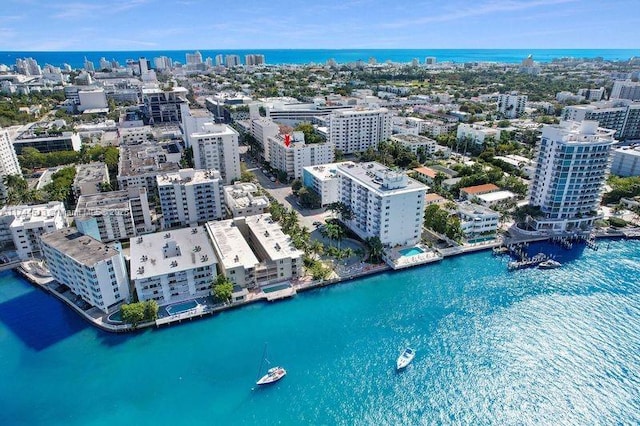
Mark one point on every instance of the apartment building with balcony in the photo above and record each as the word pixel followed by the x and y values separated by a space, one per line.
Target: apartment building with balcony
pixel 324 181
pixel 215 146
pixel 511 105
pixel 243 199
pixel 385 204
pixel 172 266
pixel 189 197
pixel 573 161
pixel 91 269
pixel 114 215
pixel 293 157
pixel 355 130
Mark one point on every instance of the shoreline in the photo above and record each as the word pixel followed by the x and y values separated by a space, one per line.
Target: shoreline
pixel 295 288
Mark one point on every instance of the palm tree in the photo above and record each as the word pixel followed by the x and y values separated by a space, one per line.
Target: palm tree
pixel 316 247
pixel 335 231
pixel 375 249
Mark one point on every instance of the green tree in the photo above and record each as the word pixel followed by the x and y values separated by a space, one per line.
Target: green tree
pixel 296 185
pixel 222 289
pixel 375 248
pixel 133 313
pixel 150 310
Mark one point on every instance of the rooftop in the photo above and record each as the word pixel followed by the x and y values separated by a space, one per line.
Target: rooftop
pixel 81 248
pixel 214 129
pixel 269 234
pixel 144 158
pixel 413 139
pixel 232 246
pixel 188 177
pixel 426 171
pixel 32 214
pixel 379 178
pixel 92 172
pixel 106 201
pixel 169 252
pixel 487 187
pixel 496 196
pixel 324 171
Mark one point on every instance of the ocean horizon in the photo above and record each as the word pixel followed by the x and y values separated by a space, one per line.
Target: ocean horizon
pixel 321 56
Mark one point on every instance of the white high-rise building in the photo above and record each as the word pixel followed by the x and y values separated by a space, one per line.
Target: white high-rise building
pixel 173 266
pixel 385 204
pixel 215 146
pixel 353 131
pixel 193 120
pixel 194 58
pixel 262 129
pixel 232 61
pixel 293 158
pixel 626 89
pixel 88 65
pixel 91 269
pixel 189 197
pixel 8 161
pixel 573 164
pixel 163 63
pixel 25 224
pixel 219 60
pixel 512 105
pixel 254 59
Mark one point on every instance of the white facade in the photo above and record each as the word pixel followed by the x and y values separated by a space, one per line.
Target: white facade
pixel 193 120
pixel 114 215
pixel 27 223
pixel 92 99
pixel 476 220
pixel 626 161
pixel 8 161
pixel 293 158
pixel 324 181
pixel 190 196
pixel 476 133
pixel 242 199
pixel 512 106
pixel 626 89
pixel 573 163
pixel 91 269
pixel 353 131
pixel 262 129
pixel 415 143
pixel 623 116
pixel 173 266
pixel 385 204
pixel 215 146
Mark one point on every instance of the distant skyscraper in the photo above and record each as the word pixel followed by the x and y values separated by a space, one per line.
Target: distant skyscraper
pixel 626 90
pixel 209 62
pixel 219 60
pixel 144 66
pixel 104 64
pixel 232 61
pixel 572 166
pixel 254 59
pixel 163 63
pixel 430 60
pixel 88 65
pixel 194 58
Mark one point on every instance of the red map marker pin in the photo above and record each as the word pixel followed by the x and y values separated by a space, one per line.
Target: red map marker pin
pixel 287 140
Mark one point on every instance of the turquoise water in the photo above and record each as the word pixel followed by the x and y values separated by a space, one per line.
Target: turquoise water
pixel 181 307
pixel 528 347
pixel 411 251
pixel 305 56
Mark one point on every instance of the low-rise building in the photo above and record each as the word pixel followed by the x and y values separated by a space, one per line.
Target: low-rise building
pixel 434 198
pixel 25 225
pixel 470 192
pixel 477 133
pixel 92 270
pixel 89 177
pixel 115 215
pixel 242 199
pixel 173 266
pixel 47 137
pixel 324 181
pixel 476 220
pixel 416 143
pixel 495 198
pixel 189 197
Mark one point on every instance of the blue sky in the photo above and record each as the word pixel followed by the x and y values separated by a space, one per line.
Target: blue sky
pixel 276 24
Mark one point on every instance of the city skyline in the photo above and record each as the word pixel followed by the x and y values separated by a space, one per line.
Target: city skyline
pixel 143 24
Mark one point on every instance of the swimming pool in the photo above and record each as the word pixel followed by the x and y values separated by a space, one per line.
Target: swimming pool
pixel 411 251
pixel 181 307
pixel 275 288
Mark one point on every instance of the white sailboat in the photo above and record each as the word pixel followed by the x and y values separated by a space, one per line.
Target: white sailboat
pixel 273 374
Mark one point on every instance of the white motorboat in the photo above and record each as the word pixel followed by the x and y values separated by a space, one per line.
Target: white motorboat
pixel 549 264
pixel 273 375
pixel 405 358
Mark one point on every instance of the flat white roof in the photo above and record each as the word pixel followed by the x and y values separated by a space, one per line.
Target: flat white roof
pixel 269 234
pixel 32 214
pixel 324 171
pixel 231 245
pixel 172 251
pixel 373 175
pixel 496 196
